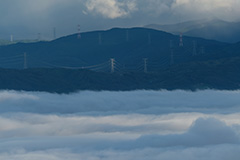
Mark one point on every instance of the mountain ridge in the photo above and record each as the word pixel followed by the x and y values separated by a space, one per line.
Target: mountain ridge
pixel 210 29
pixel 129 46
pixel 144 59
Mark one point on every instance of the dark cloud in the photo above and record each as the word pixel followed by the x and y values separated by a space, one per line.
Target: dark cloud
pixel 25 18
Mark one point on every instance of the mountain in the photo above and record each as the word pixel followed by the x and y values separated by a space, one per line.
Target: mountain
pixel 6 42
pixel 127 46
pixel 209 29
pixel 222 74
pixel 143 59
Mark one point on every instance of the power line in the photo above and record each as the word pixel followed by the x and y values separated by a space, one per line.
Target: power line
pixel 54 33
pixel 99 38
pixel 112 60
pixel 79 30
pixel 25 60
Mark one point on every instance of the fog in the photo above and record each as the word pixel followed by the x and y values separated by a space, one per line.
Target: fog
pixel 120 125
pixel 103 103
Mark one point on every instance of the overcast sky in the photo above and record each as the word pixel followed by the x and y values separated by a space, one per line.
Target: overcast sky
pixel 27 18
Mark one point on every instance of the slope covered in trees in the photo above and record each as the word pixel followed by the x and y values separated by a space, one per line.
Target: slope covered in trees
pixel 70 64
pixel 217 74
pixel 127 46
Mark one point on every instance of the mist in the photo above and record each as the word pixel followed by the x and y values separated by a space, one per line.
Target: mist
pixel 106 102
pixel 120 125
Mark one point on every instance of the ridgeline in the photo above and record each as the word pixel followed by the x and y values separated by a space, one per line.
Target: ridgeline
pixel 143 59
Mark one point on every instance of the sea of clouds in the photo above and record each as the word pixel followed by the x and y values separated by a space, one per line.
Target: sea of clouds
pixel 142 125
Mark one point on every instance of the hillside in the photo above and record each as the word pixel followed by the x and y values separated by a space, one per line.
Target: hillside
pixel 209 29
pixel 127 46
pixel 221 74
pixel 6 42
pixel 143 59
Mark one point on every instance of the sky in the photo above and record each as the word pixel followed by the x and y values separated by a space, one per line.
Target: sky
pixel 28 19
pixel 141 125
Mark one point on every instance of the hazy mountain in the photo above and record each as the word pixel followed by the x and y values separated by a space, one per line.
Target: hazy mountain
pixel 210 29
pixel 127 46
pixel 58 66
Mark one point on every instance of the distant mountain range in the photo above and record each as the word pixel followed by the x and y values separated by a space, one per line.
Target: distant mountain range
pixel 120 59
pixel 209 29
pixel 6 42
pixel 129 48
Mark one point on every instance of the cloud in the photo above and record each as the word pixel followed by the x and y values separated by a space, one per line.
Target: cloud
pixel 25 18
pixel 120 125
pixel 204 132
pixel 107 103
pixel 125 126
pixel 207 138
pixel 15 96
pixel 207 8
pixel 111 8
pixel 208 153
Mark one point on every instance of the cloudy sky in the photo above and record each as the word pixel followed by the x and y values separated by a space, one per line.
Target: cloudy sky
pixel 136 125
pixel 27 18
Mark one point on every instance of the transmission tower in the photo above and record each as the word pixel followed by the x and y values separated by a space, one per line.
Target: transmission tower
pixel 25 60
pixel 202 50
pixel 99 38
pixel 181 40
pixel 171 53
pixel 112 60
pixel 39 36
pixel 127 36
pixel 194 48
pixel 149 39
pixel 11 38
pixel 172 58
pixel 145 65
pixel 54 33
pixel 79 34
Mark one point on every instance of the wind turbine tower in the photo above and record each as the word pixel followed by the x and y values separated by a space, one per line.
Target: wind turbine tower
pixel 181 40
pixel 79 30
pixel 11 38
pixel 54 33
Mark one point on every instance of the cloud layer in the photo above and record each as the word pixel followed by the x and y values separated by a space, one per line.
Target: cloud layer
pixel 206 138
pixel 120 125
pixel 104 103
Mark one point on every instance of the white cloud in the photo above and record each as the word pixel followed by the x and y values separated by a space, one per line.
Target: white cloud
pixel 120 125
pixel 141 102
pixel 222 152
pixel 14 96
pixel 25 18
pixel 111 8
pixel 208 139
pixel 125 126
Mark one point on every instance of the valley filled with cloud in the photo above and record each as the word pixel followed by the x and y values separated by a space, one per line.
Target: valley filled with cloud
pixel 120 125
